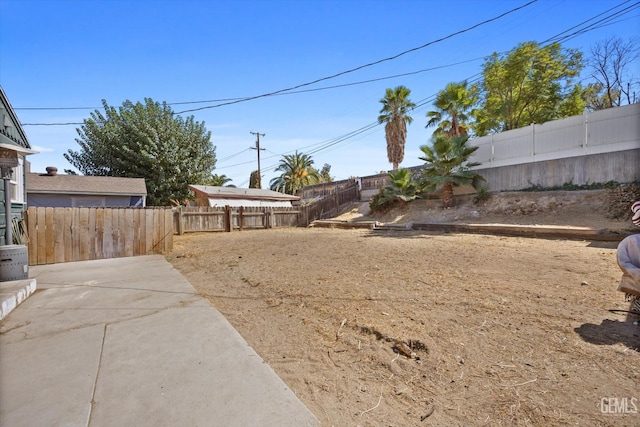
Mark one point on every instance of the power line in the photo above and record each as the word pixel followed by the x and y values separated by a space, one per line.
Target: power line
pixel 477 77
pixel 55 108
pixel 230 101
pixel 395 76
pixel 282 92
pixel 593 26
pixel 366 65
pixel 51 124
pixel 229 157
pixel 98 108
pixel 420 103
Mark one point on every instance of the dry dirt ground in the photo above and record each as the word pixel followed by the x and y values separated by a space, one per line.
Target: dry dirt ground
pixel 406 328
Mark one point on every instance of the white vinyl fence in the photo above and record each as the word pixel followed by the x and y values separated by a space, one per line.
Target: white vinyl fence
pixel 605 131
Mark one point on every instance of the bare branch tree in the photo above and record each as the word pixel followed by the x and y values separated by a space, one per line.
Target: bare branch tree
pixel 611 61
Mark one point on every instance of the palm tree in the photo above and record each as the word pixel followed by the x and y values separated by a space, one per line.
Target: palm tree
pixel 453 105
pixel 448 166
pixel 217 180
pixel 395 113
pixel 297 171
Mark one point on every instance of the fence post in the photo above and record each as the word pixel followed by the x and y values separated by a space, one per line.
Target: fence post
pixel 228 226
pixel 585 146
pixel 265 217
pixel 180 221
pixel 240 217
pixel 533 142
pixel 272 218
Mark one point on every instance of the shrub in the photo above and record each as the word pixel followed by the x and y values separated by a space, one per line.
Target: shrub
pixel 481 196
pixel 570 186
pixel 402 189
pixel 383 201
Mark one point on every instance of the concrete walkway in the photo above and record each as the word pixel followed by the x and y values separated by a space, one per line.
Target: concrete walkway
pixel 128 342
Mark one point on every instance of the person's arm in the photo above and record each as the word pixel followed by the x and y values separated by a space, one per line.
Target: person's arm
pixel 629 256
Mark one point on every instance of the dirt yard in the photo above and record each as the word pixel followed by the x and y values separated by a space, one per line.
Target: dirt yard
pixel 406 328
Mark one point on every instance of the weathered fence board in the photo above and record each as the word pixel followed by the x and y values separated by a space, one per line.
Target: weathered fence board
pixel 328 206
pixel 187 219
pixel 202 218
pixel 81 234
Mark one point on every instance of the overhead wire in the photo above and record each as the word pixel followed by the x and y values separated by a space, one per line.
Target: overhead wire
pixel 410 73
pixel 560 37
pixel 477 77
pixel 331 144
pixel 230 101
pixel 368 64
pixel 229 157
pixel 282 92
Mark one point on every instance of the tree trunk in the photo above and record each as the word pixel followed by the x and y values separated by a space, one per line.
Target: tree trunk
pixel 447 195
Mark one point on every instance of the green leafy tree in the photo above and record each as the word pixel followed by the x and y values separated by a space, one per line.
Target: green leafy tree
pixel 402 188
pixel 596 98
pixel 254 180
pixel 145 140
pixel 216 180
pixel 453 108
pixel 324 174
pixel 395 114
pixel 448 166
pixel 296 171
pixel 529 84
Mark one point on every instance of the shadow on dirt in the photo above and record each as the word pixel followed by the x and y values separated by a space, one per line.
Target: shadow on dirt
pixel 603 245
pixel 611 332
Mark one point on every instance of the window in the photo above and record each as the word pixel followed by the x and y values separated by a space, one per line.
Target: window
pixel 17 182
pixel 88 202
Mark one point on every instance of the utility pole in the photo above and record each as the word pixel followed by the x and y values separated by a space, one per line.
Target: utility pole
pixel 257 148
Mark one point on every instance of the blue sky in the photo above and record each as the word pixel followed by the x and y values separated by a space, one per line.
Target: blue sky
pixel 73 54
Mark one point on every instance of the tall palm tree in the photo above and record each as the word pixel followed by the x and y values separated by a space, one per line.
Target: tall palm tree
pixel 297 171
pixel 395 113
pixel 448 166
pixel 452 107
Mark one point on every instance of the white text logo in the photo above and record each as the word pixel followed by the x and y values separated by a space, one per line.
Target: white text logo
pixel 615 405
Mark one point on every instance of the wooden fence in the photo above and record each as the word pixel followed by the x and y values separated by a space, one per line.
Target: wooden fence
pixel 328 206
pixel 79 234
pixel 195 219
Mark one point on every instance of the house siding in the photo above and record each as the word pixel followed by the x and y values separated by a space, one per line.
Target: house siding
pixel 67 201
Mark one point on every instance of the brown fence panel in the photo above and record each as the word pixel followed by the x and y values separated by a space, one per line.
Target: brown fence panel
pixel 191 219
pixel 80 234
pixel 284 217
pixel 187 219
pixel 59 234
pixel 328 206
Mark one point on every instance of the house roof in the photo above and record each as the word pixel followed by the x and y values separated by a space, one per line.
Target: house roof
pixel 241 193
pixel 12 135
pixel 81 184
